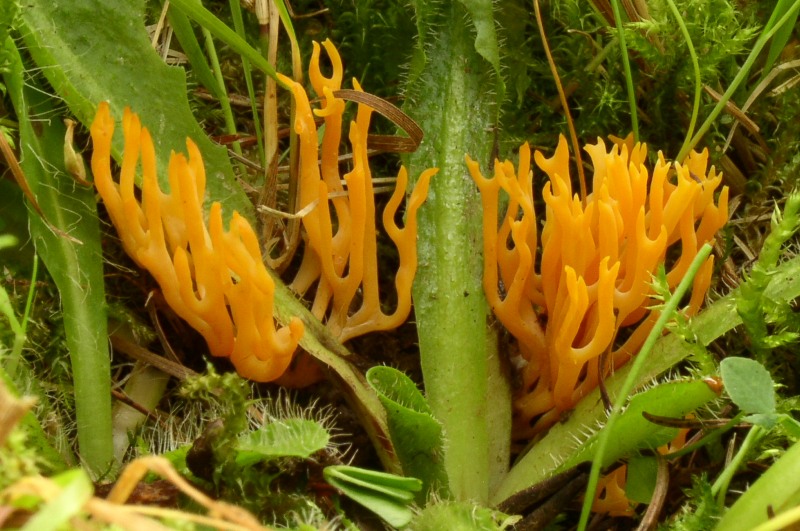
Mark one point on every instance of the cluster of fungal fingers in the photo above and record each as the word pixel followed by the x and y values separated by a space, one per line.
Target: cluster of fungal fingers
pixel 341 250
pixel 599 254
pixel 216 280
pixel 212 278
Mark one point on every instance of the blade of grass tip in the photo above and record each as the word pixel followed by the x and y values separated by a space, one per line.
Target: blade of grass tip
pixel 20 334
pixel 698 84
pixel 207 20
pixel 638 364
pixel 238 26
pixel 563 98
pixel 781 37
pixel 292 234
pixel 286 20
pixel 194 53
pixel 268 15
pixel 740 77
pixel 224 100
pixel 626 65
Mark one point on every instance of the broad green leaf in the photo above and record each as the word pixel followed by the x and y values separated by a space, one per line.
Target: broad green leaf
pixel 93 51
pixel 416 435
pixel 749 385
pixel 287 438
pixel 384 494
pixel 75 264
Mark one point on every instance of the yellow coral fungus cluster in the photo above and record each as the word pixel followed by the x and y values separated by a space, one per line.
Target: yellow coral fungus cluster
pixel 343 259
pixel 216 280
pixel 212 278
pixel 597 260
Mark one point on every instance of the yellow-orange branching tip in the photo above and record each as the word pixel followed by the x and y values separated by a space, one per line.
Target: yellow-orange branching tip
pixel 212 278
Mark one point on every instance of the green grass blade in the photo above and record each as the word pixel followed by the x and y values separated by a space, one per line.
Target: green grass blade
pixel 194 52
pixel 238 25
pixel 626 65
pixel 207 20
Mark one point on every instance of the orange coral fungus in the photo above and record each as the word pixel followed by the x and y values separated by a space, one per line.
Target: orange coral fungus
pixel 341 253
pixel 611 498
pixel 213 278
pixel 596 264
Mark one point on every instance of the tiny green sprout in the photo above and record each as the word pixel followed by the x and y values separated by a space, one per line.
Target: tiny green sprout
pixel 387 495
pixel 292 437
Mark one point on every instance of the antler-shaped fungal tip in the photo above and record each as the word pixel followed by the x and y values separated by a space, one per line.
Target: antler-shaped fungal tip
pixel 212 278
pixel 597 262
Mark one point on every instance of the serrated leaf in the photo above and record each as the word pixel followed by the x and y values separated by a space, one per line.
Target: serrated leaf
pixel 749 385
pixel 416 435
pixel 288 438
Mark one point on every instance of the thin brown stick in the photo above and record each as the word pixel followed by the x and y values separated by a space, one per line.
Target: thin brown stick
pixel 140 353
pixel 573 135
pixel 650 519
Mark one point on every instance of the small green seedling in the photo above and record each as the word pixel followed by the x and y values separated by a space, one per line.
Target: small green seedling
pixel 387 495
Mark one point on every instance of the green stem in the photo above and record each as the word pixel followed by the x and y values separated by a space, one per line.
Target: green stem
pixel 698 83
pixel 450 96
pixel 638 364
pixel 720 486
pixel 224 100
pixel 238 25
pixel 626 64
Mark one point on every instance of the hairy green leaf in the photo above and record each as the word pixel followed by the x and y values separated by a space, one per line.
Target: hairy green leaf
pixel 292 437
pixel 91 51
pixel 749 385
pixel 74 261
pixel 416 434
